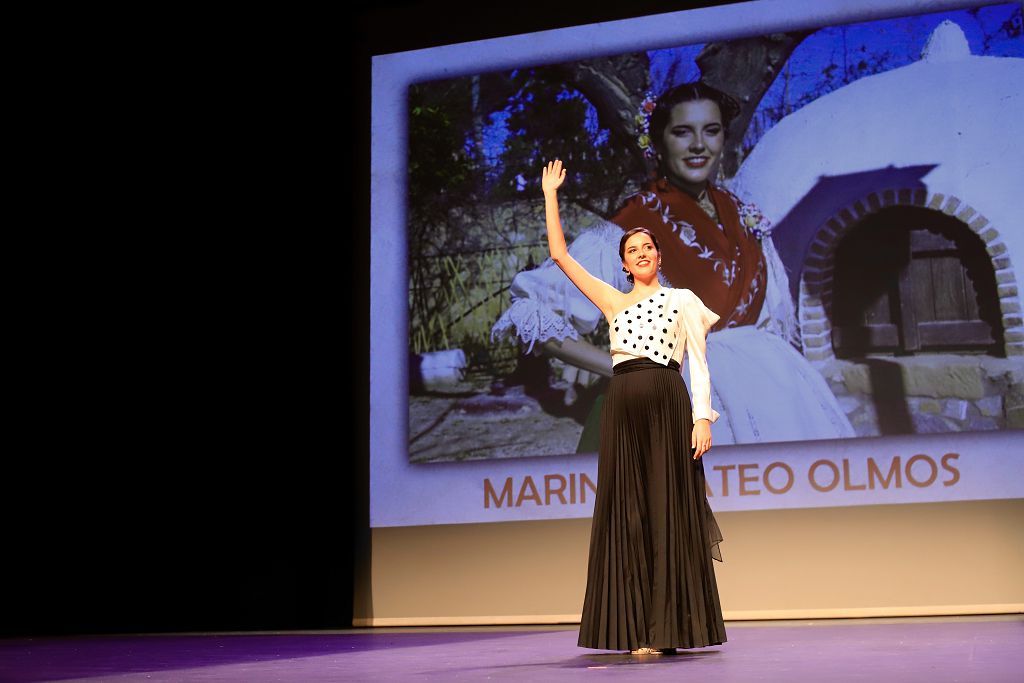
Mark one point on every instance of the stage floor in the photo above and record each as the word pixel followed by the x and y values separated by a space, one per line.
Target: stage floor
pixel 975 648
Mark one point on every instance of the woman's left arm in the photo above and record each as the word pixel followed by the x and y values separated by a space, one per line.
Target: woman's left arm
pixel 697 320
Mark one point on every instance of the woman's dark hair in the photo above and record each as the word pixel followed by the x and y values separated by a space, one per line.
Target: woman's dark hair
pixel 688 92
pixel 622 245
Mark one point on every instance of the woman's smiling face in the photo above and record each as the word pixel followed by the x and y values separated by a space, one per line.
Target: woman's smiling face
pixel 692 143
pixel 641 257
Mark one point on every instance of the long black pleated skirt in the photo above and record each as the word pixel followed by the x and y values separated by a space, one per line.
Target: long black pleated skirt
pixel 650 578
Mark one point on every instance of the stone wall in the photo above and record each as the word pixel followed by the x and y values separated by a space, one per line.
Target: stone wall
pixel 928 394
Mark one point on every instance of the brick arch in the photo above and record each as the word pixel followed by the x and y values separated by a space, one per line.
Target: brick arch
pixel 815 293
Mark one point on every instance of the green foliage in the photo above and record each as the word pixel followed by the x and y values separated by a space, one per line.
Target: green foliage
pixel 472 224
pixel 551 121
pixel 440 171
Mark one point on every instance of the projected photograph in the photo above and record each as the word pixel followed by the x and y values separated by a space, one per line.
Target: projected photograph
pixel 857 236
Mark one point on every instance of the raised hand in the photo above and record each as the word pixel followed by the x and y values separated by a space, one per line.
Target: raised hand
pixel 552 176
pixel 600 293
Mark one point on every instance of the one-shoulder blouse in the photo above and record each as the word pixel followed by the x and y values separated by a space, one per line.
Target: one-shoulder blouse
pixel 662 327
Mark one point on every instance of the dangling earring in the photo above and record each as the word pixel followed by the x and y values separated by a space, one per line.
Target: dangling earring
pixel 718 174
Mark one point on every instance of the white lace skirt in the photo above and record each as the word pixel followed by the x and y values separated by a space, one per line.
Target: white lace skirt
pixel 767 391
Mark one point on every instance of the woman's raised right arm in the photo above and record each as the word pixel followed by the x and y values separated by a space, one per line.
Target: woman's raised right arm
pixel 600 293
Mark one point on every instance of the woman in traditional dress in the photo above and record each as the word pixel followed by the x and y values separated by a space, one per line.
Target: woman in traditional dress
pixel 714 245
pixel 651 584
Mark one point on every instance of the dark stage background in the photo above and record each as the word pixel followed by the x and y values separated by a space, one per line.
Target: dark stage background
pixel 209 470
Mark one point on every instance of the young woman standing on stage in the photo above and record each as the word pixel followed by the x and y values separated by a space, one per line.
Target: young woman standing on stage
pixel 650 586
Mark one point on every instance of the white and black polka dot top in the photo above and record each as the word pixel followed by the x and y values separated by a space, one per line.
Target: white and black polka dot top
pixel 663 327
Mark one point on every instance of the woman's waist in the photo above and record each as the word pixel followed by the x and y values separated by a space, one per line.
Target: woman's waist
pixel 636 364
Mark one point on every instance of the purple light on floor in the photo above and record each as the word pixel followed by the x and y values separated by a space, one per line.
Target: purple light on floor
pixel 943 649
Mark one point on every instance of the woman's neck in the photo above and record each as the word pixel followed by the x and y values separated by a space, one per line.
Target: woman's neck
pixel 641 287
